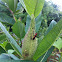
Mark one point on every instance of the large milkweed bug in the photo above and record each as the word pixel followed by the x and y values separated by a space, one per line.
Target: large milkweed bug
pixel 34 36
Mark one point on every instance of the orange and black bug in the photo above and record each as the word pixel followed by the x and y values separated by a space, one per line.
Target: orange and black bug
pixel 34 36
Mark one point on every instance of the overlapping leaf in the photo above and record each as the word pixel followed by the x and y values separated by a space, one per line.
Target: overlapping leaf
pixel 19 29
pixel 6 19
pixel 52 24
pixel 48 40
pixel 34 6
pixel 2 50
pixel 12 41
pixel 2 37
pixel 12 4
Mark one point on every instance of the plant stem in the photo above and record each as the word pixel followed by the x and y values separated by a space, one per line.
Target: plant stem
pixel 12 14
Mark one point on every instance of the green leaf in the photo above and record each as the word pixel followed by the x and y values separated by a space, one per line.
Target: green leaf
pixel 2 50
pixel 8 46
pixel 6 19
pixel 2 7
pixel 19 29
pixel 58 43
pixel 3 45
pixel 38 21
pixel 44 57
pixel 52 24
pixel 2 37
pixel 12 4
pixel 19 8
pixel 47 54
pixel 3 56
pixel 10 51
pixel 13 56
pixel 22 2
pixel 34 6
pixel 12 41
pixel 8 56
pixel 48 40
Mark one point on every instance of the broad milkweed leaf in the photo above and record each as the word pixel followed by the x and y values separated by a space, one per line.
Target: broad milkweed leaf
pixel 12 41
pixel 4 18
pixel 34 6
pixel 3 56
pixel 12 4
pixel 48 40
pixel 22 2
pixel 14 57
pixel 19 29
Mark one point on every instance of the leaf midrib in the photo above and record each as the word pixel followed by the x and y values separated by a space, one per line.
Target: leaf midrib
pixel 35 6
